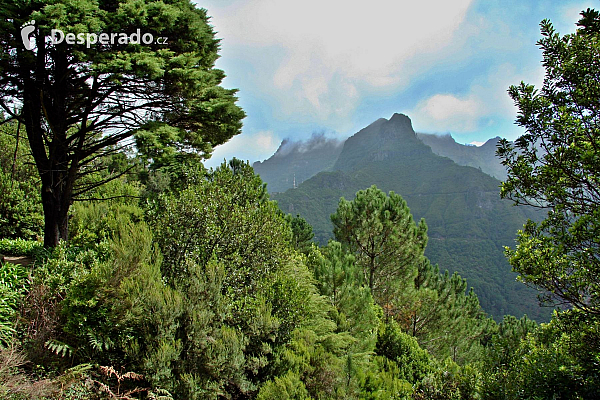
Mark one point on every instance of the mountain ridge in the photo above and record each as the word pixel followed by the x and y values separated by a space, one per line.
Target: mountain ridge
pixel 468 222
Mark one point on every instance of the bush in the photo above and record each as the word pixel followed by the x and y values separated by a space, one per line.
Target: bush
pixel 414 362
pixel 288 387
pixel 14 283
pixel 21 247
pixel 20 202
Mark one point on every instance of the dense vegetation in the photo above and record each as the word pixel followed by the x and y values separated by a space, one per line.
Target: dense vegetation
pixel 79 103
pixel 178 282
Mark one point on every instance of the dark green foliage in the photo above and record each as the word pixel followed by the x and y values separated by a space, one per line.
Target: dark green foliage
pixel 227 215
pixel 302 233
pixel 449 381
pixel 210 291
pixel 381 381
pixel 341 281
pixel 93 222
pixel 502 354
pixel 20 203
pixel 98 98
pixel 414 362
pixel 263 292
pixel 20 247
pixel 379 230
pixel 554 165
pixel 287 387
pixel 445 319
pixel 556 360
pixel 428 377
pixel 14 284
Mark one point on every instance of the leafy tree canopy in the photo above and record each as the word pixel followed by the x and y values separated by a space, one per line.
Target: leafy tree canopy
pixel 80 102
pixel 380 231
pixel 556 165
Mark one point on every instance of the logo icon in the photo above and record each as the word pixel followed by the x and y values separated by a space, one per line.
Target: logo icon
pixel 26 30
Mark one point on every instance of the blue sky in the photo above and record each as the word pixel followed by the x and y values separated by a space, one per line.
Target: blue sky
pixel 335 66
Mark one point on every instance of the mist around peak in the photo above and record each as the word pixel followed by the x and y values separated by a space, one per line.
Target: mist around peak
pixel 317 141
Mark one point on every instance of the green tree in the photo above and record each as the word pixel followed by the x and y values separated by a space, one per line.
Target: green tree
pixel 443 316
pixel 79 103
pixel 265 290
pixel 227 214
pixel 302 233
pixel 414 362
pixel 20 204
pixel 340 280
pixel 379 230
pixel 554 360
pixel 555 166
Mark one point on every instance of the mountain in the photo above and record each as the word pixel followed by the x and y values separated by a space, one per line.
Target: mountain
pixel 298 161
pixel 468 222
pixel 483 157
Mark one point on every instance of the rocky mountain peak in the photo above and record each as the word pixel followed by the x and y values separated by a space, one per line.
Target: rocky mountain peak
pixel 401 122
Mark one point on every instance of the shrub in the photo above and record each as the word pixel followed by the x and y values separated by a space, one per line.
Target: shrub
pixel 20 247
pixel 14 283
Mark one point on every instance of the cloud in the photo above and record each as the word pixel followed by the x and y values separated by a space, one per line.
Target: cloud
pixel 476 143
pixel 315 142
pixel 338 65
pixel 446 112
pixel 323 55
pixel 570 14
pixel 247 147
pixel 485 101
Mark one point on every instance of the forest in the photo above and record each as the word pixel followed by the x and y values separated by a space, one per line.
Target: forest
pixel 131 271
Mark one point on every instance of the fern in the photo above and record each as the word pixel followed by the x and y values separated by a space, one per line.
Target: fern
pixel 59 348
pixel 76 373
pixel 98 343
pixel 160 394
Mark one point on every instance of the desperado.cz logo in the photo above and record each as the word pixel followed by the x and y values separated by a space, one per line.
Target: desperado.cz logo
pixel 26 32
pixel 57 36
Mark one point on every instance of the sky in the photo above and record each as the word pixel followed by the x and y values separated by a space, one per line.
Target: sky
pixel 332 67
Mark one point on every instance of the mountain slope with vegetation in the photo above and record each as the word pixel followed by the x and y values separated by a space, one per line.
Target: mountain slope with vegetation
pixel 295 162
pixel 468 223
pixel 482 157
pixel 299 161
pixel 178 282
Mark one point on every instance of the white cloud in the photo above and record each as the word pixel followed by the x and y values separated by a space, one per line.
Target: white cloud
pixel 476 143
pixel 570 14
pixel 331 51
pixel 443 106
pixel 247 147
pixel 446 112
pixel 487 99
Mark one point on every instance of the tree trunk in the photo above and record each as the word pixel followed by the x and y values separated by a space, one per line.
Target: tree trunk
pixel 56 216
pixel 372 278
pixel 56 161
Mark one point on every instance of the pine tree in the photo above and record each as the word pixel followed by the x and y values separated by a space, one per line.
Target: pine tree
pixel 80 102
pixel 379 230
pixel 444 318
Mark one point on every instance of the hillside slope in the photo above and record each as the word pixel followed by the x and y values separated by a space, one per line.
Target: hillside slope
pixel 483 157
pixel 297 161
pixel 468 223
